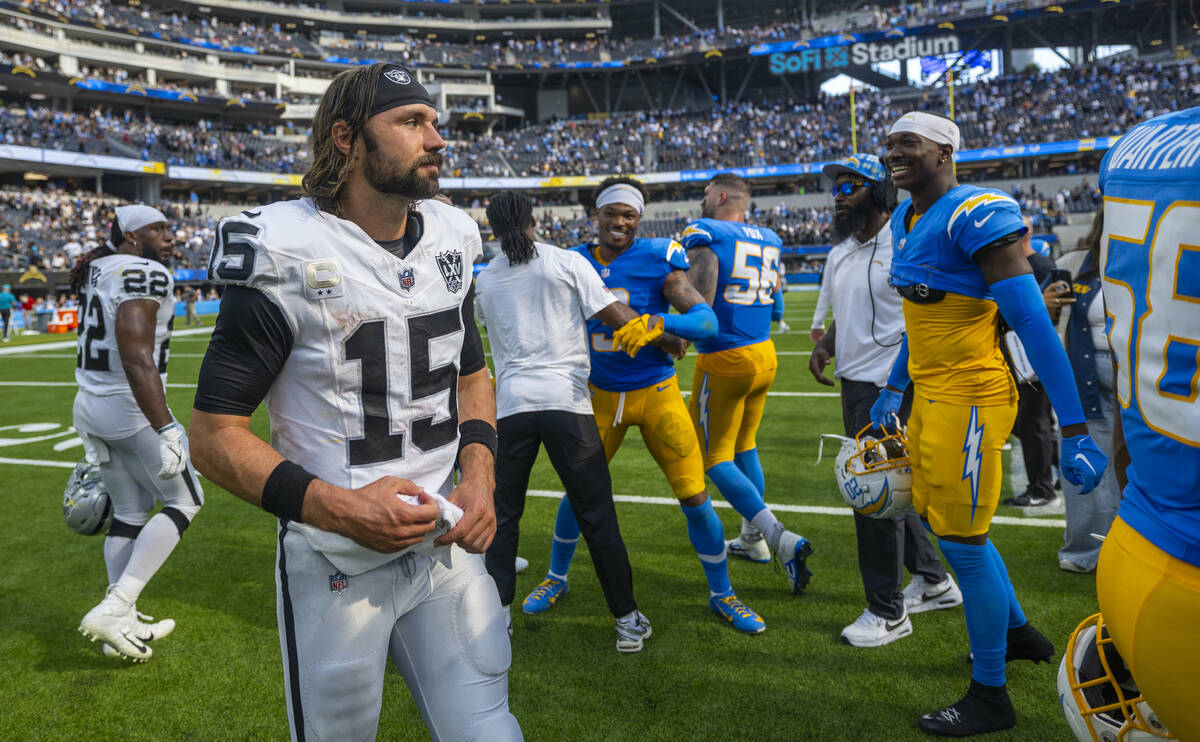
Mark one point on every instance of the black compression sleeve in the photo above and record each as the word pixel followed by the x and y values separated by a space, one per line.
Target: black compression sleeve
pixel 471 359
pixel 249 346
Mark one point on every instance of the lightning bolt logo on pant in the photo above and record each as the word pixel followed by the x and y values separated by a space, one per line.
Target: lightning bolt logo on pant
pixel 702 405
pixel 973 456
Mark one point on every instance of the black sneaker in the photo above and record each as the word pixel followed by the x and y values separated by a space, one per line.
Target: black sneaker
pixel 1029 500
pixel 984 709
pixel 1025 643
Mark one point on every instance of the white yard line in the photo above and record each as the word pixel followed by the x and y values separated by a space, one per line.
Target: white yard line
pixel 15 349
pixel 639 500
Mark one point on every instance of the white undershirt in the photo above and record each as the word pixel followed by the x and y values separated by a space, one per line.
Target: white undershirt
pixel 1095 318
pixel 536 315
pixel 868 339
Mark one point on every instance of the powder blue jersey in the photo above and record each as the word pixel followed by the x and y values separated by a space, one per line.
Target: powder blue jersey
pixel 1151 271
pixel 747 279
pixel 636 276
pixel 940 248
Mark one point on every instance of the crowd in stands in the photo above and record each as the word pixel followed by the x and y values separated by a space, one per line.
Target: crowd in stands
pixel 276 39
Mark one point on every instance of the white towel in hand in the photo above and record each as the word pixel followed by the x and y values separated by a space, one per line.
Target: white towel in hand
pixel 448 516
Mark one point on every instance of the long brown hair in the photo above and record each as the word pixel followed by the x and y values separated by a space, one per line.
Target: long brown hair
pixel 350 98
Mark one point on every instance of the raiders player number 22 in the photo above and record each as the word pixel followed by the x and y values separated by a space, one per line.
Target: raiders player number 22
pixel 351 313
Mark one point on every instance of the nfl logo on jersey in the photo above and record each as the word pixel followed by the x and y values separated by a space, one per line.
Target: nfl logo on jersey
pixel 338 582
pixel 450 263
pixel 407 279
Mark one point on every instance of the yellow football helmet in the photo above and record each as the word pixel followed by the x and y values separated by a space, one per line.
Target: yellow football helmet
pixel 1097 692
pixel 874 473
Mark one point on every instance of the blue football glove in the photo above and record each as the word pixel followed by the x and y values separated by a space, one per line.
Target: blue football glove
pixel 887 408
pixel 1083 463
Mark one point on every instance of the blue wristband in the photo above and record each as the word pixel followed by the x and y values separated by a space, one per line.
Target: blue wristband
pixel 777 309
pixel 1025 311
pixel 698 323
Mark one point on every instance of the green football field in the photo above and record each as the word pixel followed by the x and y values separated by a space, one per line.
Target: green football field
pixel 219 676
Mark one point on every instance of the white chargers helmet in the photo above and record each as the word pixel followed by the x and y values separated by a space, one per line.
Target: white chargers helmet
pixel 86 504
pixel 874 473
pixel 1097 693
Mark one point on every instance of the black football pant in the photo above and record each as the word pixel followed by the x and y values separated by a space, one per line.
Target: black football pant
pixel 1034 427
pixel 575 451
pixel 886 546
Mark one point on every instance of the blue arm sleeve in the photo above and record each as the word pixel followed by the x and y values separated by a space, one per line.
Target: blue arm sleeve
pixel 777 310
pixel 698 323
pixel 1021 304
pixel 898 378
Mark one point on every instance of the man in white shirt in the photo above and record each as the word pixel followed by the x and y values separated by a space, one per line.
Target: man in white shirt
pixel 865 336
pixel 535 300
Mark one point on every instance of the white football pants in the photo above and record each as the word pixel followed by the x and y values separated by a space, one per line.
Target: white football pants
pixel 443 627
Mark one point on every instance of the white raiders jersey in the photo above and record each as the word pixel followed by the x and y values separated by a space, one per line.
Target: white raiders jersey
pixel 111 281
pixel 369 384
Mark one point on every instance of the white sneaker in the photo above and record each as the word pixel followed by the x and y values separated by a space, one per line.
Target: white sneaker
pixel 870 630
pixel 756 550
pixel 115 621
pixel 520 565
pixel 921 595
pixel 148 629
pixel 632 631
pixel 793 551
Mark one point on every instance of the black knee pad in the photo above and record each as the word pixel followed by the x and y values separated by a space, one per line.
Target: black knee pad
pixel 121 529
pixel 181 519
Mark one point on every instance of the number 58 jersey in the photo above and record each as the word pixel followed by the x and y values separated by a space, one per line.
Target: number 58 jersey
pixel 111 281
pixel 357 351
pixel 1151 273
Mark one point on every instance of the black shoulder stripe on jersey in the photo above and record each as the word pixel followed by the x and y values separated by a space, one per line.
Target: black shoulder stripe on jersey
pixel 471 359
pixel 249 346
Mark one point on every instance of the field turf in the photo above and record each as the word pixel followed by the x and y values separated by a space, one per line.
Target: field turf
pixel 219 677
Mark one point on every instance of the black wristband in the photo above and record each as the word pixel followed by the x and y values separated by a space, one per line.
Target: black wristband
pixel 477 431
pixel 283 494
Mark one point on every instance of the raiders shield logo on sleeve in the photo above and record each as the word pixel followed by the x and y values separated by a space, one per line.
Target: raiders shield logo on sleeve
pixel 450 263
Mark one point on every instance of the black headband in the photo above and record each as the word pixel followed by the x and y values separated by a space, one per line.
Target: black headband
pixel 399 87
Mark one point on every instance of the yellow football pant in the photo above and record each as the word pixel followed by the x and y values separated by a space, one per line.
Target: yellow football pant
pixel 1151 604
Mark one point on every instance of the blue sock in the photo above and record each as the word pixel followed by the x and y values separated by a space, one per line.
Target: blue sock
pixel 708 539
pixel 737 488
pixel 566 536
pixel 1016 616
pixel 985 602
pixel 748 462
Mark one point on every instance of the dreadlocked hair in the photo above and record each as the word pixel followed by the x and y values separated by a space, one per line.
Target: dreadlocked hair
pixel 349 98
pixel 79 271
pixel 511 214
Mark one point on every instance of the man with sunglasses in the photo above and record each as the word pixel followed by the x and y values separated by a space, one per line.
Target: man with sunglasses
pixel 865 337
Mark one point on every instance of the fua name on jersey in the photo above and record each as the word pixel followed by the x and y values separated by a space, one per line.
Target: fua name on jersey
pixel 369 388
pixel 113 280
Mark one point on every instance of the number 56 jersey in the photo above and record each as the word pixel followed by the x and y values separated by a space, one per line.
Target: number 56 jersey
pixel 356 350
pixel 1151 272
pixel 111 281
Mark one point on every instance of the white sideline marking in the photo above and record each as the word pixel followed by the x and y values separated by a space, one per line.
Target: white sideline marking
pixel 807 509
pixel 38 354
pixel 72 384
pixel 640 500
pixel 72 343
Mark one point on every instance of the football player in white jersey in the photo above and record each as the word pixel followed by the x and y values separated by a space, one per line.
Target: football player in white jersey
pixel 122 416
pixel 351 312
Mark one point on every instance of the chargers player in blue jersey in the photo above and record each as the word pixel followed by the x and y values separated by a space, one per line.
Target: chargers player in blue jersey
pixel 957 262
pixel 1148 578
pixel 735 267
pixel 636 385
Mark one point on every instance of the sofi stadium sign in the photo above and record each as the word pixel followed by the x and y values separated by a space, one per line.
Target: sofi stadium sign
pixel 860 54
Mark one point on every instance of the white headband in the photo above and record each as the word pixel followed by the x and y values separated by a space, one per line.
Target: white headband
pixel 621 193
pixel 934 128
pixel 136 216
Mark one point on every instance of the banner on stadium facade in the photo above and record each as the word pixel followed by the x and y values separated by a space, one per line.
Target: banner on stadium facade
pixel 103 163
pixel 34 279
pixel 177 172
pixel 860 54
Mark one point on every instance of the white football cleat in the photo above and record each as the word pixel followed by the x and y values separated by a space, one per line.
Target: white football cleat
pixel 755 550
pixel 148 629
pixel 870 630
pixel 793 551
pixel 920 595
pixel 115 621
pixel 632 631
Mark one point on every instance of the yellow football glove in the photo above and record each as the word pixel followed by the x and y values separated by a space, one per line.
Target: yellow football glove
pixel 637 332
